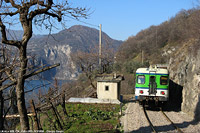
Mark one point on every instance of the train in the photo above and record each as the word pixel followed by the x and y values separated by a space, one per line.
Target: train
pixel 152 84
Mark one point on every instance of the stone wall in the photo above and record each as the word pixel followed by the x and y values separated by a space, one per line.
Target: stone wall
pixel 184 68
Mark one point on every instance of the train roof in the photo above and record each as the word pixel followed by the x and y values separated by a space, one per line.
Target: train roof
pixel 151 70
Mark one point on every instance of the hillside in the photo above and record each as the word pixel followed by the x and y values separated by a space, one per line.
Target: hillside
pixel 175 42
pixel 160 41
pixel 56 48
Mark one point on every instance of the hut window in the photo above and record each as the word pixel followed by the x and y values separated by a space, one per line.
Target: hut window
pixel 106 88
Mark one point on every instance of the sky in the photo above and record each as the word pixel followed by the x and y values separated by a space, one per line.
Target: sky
pixel 121 19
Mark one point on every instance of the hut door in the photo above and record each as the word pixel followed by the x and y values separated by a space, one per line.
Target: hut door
pixel 152 85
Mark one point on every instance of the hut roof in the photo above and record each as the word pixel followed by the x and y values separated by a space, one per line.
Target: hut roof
pixel 110 78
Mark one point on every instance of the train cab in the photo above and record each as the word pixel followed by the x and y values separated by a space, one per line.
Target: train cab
pixel 152 84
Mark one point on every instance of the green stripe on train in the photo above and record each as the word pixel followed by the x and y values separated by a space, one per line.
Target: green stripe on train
pixel 147 78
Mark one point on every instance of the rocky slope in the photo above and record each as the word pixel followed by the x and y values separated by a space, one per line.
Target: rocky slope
pixel 56 48
pixel 184 67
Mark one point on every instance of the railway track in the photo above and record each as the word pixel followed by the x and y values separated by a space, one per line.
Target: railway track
pixel 151 125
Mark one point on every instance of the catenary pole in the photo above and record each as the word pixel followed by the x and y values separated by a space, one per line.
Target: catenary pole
pixel 100 46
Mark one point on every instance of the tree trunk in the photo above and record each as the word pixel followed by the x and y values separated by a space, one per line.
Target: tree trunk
pixel 56 115
pixel 20 89
pixel 1 105
pixel 1 110
pixel 36 121
pixel 63 105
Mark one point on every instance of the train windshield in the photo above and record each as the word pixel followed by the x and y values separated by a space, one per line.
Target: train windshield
pixel 141 79
pixel 163 80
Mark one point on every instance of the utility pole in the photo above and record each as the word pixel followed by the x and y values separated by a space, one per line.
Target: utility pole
pixel 142 54
pixel 156 37
pixel 100 46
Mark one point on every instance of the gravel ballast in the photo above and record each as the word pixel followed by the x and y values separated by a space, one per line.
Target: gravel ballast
pixel 134 120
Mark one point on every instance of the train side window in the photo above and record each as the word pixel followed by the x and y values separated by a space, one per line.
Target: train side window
pixel 141 79
pixel 163 80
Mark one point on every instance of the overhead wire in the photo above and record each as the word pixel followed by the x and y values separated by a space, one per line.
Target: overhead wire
pixel 83 22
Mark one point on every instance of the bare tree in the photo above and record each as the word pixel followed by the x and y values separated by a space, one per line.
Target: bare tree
pixel 6 68
pixel 87 62
pixel 1 104
pixel 27 13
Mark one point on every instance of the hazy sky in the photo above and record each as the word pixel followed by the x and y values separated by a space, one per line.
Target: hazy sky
pixel 121 19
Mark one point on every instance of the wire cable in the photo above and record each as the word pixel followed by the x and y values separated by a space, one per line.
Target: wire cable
pixel 83 22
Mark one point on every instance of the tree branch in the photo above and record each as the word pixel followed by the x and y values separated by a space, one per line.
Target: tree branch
pixel 9 74
pixel 41 70
pixel 4 36
pixel 12 3
pixel 8 85
pixel 59 16
pixel 41 11
pixel 10 13
pixel 29 75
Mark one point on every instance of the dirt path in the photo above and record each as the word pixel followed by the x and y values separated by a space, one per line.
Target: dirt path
pixel 134 120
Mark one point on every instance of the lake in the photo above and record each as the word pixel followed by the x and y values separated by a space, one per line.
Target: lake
pixel 33 86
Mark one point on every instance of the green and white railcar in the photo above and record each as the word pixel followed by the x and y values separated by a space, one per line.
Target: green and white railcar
pixel 152 84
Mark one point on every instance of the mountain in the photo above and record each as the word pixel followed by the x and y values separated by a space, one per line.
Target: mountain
pixel 17 35
pixel 13 34
pixel 56 48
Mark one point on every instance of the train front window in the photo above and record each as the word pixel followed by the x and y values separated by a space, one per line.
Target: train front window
pixel 141 79
pixel 163 80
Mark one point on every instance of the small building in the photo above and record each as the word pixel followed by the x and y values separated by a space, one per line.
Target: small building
pixel 108 86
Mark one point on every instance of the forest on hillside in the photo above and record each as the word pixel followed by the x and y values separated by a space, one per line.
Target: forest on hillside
pixel 152 41
pixel 155 44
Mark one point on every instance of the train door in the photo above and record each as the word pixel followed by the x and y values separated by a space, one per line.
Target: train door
pixel 152 85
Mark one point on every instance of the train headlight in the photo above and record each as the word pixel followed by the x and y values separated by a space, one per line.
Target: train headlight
pixel 141 92
pixel 162 93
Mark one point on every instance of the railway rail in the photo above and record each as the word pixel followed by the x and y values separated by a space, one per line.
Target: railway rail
pixel 151 125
